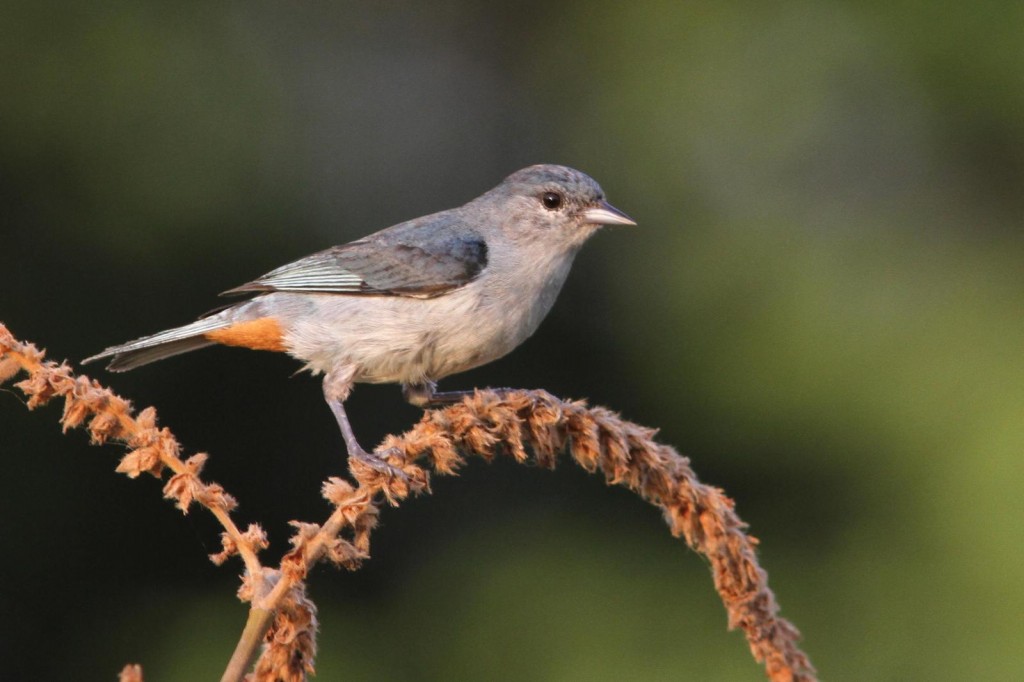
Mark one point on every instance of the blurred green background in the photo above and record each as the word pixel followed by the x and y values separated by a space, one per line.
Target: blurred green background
pixel 821 307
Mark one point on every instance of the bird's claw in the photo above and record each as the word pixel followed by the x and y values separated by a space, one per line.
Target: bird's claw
pixel 378 462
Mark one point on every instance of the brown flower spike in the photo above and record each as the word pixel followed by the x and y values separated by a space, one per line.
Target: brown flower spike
pixel 515 423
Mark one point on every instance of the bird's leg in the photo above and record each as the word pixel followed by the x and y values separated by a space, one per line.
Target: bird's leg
pixel 426 394
pixel 337 386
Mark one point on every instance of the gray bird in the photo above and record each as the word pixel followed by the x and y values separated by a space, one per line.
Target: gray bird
pixel 415 302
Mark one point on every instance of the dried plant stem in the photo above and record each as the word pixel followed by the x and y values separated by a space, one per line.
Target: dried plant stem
pixel 248 644
pixel 110 419
pixel 283 620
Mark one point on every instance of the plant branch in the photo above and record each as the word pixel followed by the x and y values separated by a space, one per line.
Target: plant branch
pixel 256 627
pixel 514 423
pixel 109 418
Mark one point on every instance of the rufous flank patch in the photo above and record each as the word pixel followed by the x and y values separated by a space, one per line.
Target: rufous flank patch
pixel 262 334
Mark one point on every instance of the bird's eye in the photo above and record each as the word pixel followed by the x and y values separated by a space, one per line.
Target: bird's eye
pixel 551 200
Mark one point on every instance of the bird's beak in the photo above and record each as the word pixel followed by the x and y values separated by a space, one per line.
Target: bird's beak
pixel 606 214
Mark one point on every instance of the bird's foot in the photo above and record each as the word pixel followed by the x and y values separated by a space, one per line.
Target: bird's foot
pixel 378 461
pixel 426 395
pixel 440 398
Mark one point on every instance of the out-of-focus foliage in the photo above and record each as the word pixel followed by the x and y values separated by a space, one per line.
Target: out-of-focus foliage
pixel 821 306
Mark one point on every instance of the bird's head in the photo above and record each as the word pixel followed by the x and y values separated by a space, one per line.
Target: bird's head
pixel 553 205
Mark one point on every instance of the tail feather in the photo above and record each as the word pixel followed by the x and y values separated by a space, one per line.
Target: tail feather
pixel 130 359
pixel 162 345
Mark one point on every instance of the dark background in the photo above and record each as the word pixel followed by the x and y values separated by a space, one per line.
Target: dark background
pixel 821 306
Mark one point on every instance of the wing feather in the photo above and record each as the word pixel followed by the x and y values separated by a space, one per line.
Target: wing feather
pixel 381 266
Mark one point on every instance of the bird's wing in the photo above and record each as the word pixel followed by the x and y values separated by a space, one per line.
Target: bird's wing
pixel 387 267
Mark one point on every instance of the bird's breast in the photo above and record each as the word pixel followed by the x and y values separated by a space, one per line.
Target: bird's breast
pixel 395 339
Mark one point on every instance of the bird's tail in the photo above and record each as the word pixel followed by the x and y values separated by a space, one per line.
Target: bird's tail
pixel 163 345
